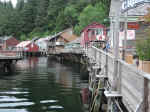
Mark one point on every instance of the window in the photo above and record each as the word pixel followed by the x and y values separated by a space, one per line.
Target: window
pixel 99 31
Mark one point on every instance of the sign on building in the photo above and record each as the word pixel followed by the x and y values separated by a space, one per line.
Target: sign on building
pixel 133 25
pixel 130 36
pixel 129 4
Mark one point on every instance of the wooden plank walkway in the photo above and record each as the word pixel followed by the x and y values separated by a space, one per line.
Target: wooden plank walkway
pixel 10 55
pixel 132 84
pixel 72 50
pixel 67 51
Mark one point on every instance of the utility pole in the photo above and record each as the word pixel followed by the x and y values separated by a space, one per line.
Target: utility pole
pixel 125 35
pixel 116 48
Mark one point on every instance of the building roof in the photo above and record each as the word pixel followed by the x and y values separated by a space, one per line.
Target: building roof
pixel 23 44
pixel 12 42
pixel 93 25
pixel 68 35
pixel 77 40
pixel 42 40
pixel 34 39
pixel 138 11
pixel 53 36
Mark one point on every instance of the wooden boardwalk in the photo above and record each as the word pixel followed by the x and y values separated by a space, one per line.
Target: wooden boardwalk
pixel 67 51
pixel 10 58
pixel 131 84
pixel 7 58
pixel 10 55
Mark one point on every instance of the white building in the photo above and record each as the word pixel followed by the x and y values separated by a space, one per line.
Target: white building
pixel 42 43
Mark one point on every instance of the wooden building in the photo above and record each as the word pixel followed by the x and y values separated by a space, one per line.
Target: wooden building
pixel 58 41
pixel 8 43
pixel 74 44
pixel 28 47
pixel 93 32
pixel 42 43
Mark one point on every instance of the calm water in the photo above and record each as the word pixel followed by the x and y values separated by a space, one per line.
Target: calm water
pixel 39 85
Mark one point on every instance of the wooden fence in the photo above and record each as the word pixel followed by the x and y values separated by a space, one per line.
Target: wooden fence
pixel 131 83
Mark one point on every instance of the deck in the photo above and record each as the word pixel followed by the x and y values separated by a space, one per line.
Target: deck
pixel 7 58
pixel 10 55
pixel 67 51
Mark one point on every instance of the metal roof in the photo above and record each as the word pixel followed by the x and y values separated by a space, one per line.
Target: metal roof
pixel 78 40
pixel 23 44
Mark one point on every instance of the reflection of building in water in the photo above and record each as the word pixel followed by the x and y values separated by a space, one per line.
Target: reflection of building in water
pixel 22 64
pixel 33 61
pixel 67 78
pixel 42 64
pixel 27 63
pixel 63 75
pixel 43 61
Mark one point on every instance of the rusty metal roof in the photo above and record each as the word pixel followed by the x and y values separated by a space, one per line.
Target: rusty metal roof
pixel 68 35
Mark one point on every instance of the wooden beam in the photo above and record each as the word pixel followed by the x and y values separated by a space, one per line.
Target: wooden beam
pixel 146 95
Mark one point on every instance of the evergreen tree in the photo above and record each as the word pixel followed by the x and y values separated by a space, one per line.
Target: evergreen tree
pixel 91 14
pixel 55 7
pixel 29 15
pixel 41 17
pixel 41 21
pixel 61 22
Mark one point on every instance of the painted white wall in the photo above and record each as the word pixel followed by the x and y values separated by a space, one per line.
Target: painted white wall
pixel 42 45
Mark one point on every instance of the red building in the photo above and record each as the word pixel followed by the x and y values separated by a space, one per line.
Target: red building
pixel 28 46
pixel 8 43
pixel 93 32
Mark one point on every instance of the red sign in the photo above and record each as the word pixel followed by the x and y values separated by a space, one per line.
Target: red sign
pixel 133 25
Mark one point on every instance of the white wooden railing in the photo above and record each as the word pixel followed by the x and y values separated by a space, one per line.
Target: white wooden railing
pixel 10 54
pixel 133 84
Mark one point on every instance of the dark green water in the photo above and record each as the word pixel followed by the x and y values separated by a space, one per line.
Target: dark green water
pixel 39 85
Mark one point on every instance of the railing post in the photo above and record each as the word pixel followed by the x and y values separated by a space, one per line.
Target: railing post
pixel 146 95
pixel 98 58
pixel 106 66
pixel 119 77
pixel 95 53
pixel 116 49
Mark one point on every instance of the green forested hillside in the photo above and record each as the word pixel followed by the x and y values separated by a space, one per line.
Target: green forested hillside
pixel 32 18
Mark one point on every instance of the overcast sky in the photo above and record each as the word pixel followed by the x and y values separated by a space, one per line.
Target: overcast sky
pixel 13 1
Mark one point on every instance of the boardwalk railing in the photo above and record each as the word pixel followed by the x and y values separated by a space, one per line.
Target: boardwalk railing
pixel 132 84
pixel 10 53
pixel 67 51
pixel 72 50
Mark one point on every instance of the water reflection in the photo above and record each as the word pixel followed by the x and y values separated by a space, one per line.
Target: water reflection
pixel 42 85
pixel 49 101
pixel 13 110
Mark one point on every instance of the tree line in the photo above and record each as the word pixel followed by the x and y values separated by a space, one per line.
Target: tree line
pixel 30 18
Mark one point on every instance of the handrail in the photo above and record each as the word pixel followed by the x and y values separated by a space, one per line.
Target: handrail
pixel 10 53
pixel 134 69
pixel 126 74
pixel 105 53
